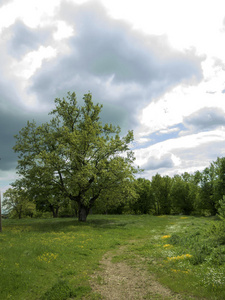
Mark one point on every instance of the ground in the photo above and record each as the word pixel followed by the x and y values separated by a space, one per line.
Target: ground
pixel 117 280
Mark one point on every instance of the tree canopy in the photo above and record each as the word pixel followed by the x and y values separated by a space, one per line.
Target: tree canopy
pixel 74 156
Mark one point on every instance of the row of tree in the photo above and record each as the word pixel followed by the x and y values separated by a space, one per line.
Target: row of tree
pixel 201 193
pixel 74 165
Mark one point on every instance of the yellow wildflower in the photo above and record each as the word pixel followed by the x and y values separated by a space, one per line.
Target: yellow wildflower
pixel 167 245
pixel 166 236
pixel 177 271
pixel 183 256
pixel 188 255
pixel 174 270
pixel 47 257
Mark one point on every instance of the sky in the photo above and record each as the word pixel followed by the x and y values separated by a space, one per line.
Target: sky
pixel 158 68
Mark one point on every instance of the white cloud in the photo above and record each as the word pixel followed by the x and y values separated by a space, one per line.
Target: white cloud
pixel 186 153
pixel 32 61
pixel 157 67
pixel 34 13
pixel 63 31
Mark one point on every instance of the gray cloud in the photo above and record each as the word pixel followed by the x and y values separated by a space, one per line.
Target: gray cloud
pixel 219 63
pixel 154 163
pixel 4 2
pixel 115 63
pixel 24 39
pixel 205 119
pixel 122 68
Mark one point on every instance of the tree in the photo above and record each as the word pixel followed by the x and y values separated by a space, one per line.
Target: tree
pixel 73 155
pixel 183 195
pixel 219 181
pixel 207 191
pixel 161 193
pixel 221 208
pixel 144 202
pixel 17 203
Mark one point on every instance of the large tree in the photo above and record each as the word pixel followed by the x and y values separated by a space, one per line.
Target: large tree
pixel 74 155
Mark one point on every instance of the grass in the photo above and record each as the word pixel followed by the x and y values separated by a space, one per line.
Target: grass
pixel 54 258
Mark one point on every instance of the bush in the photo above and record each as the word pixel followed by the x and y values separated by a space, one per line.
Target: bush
pixel 59 291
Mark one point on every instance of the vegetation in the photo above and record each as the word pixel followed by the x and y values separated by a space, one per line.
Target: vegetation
pixel 75 166
pixel 201 193
pixel 74 158
pixel 55 258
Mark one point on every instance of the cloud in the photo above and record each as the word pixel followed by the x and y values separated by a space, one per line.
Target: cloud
pixel 117 64
pixel 4 2
pixel 205 119
pixel 124 69
pixel 23 39
pixel 185 153
pixel 155 163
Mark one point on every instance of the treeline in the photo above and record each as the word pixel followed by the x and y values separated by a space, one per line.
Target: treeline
pixel 200 193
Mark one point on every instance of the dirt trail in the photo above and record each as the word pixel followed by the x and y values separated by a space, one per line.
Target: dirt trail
pixel 119 281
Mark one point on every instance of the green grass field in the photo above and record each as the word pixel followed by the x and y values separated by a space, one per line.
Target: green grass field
pixel 54 258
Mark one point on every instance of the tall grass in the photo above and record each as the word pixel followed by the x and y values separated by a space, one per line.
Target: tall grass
pixel 54 258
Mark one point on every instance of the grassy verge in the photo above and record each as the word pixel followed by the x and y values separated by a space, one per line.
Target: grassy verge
pixel 188 256
pixel 53 259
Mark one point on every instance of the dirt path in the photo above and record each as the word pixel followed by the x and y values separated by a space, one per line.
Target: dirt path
pixel 119 281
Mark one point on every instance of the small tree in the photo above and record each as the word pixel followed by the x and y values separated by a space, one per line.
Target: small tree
pixel 74 156
pixel 17 204
pixel 221 208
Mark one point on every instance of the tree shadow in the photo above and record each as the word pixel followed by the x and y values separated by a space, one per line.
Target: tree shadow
pixel 64 224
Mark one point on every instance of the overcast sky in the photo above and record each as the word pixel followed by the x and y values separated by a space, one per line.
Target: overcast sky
pixel 158 67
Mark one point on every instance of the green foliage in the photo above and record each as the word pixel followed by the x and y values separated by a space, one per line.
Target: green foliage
pixel 17 204
pixel 59 291
pixel 198 194
pixel 76 157
pixel 183 195
pixel 161 194
pixel 221 208
pixel 217 232
pixel 144 202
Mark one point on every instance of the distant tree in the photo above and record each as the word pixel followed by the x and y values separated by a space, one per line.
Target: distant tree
pixel 161 194
pixel 144 202
pixel 207 192
pixel 17 204
pixel 182 195
pixel 116 200
pixel 49 199
pixel 219 179
pixel 166 199
pixel 74 156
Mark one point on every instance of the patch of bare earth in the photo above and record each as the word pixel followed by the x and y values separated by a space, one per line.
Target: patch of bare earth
pixel 118 280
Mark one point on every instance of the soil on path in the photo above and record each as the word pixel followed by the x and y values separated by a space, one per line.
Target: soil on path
pixel 119 281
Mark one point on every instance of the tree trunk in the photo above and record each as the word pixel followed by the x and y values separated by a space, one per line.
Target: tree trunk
pixel 54 211
pixel 82 213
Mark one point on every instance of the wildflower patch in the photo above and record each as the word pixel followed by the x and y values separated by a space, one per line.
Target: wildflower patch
pixel 47 257
pixel 183 256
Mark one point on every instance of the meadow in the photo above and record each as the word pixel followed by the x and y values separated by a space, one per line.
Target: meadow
pixel 51 259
